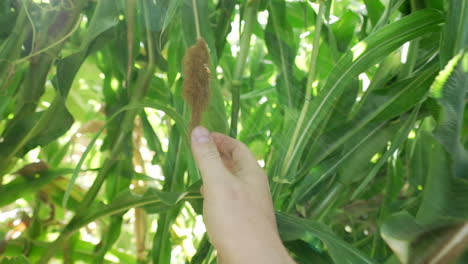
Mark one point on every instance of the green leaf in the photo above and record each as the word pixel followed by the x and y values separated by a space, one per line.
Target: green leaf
pixel 82 251
pixel 396 142
pixel 364 55
pixel 4 101
pixel 385 104
pixel 56 152
pixel 122 203
pixel 339 113
pixel 444 198
pixel 435 4
pixel 169 111
pixel 300 14
pixel 282 48
pixel 359 163
pixel 344 29
pixel 416 244
pixel 108 238
pixel 19 187
pixel 168 199
pixel 176 166
pixel 9 48
pixel 225 9
pixel 202 251
pixel 380 105
pixel 176 50
pixel 293 228
pixel 6 16
pixel 118 178
pixel 105 17
pixel 152 139
pixel 375 10
pixel 304 254
pixel 443 76
pixel 15 260
pixel 254 126
pixel 417 158
pixel 455 34
pixel 170 14
pixel 214 118
pixel 387 70
pixel 37 129
pixel 450 89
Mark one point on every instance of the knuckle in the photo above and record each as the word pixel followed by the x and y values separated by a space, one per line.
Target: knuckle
pixel 242 147
pixel 210 154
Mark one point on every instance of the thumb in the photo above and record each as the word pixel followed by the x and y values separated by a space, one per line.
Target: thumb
pixel 207 156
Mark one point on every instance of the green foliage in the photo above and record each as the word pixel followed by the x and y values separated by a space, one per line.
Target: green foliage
pixel 356 108
pixel 15 260
pixel 293 228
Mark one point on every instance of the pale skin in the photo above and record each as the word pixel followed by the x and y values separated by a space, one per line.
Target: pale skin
pixel 238 210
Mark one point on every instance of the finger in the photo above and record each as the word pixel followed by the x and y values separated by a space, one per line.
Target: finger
pixel 207 156
pixel 236 156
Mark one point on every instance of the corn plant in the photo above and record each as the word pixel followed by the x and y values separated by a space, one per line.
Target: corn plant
pixel 355 109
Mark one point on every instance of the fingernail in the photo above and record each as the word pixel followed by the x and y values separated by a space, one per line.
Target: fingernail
pixel 200 134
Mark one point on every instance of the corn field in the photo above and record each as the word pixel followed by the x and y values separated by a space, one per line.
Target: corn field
pixel 354 108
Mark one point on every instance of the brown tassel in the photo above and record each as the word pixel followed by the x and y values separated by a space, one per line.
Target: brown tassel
pixel 196 88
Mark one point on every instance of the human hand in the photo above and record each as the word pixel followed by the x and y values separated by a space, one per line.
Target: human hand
pixel 238 210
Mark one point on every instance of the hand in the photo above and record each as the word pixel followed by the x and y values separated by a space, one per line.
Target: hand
pixel 238 210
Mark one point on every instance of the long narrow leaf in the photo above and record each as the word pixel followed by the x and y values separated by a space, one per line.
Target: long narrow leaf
pixel 362 56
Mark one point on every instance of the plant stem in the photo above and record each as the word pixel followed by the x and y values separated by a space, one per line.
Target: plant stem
pixel 72 227
pixel 315 50
pixel 197 19
pixel 392 7
pixel 160 241
pixel 56 245
pixel 412 54
pixel 141 220
pixel 38 127
pixel 138 94
pixel 250 20
pixel 131 5
pixel 283 61
pixel 50 46
pixel 322 208
pixel 308 96
pixel 149 36
pixel 34 85
pixel 10 49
